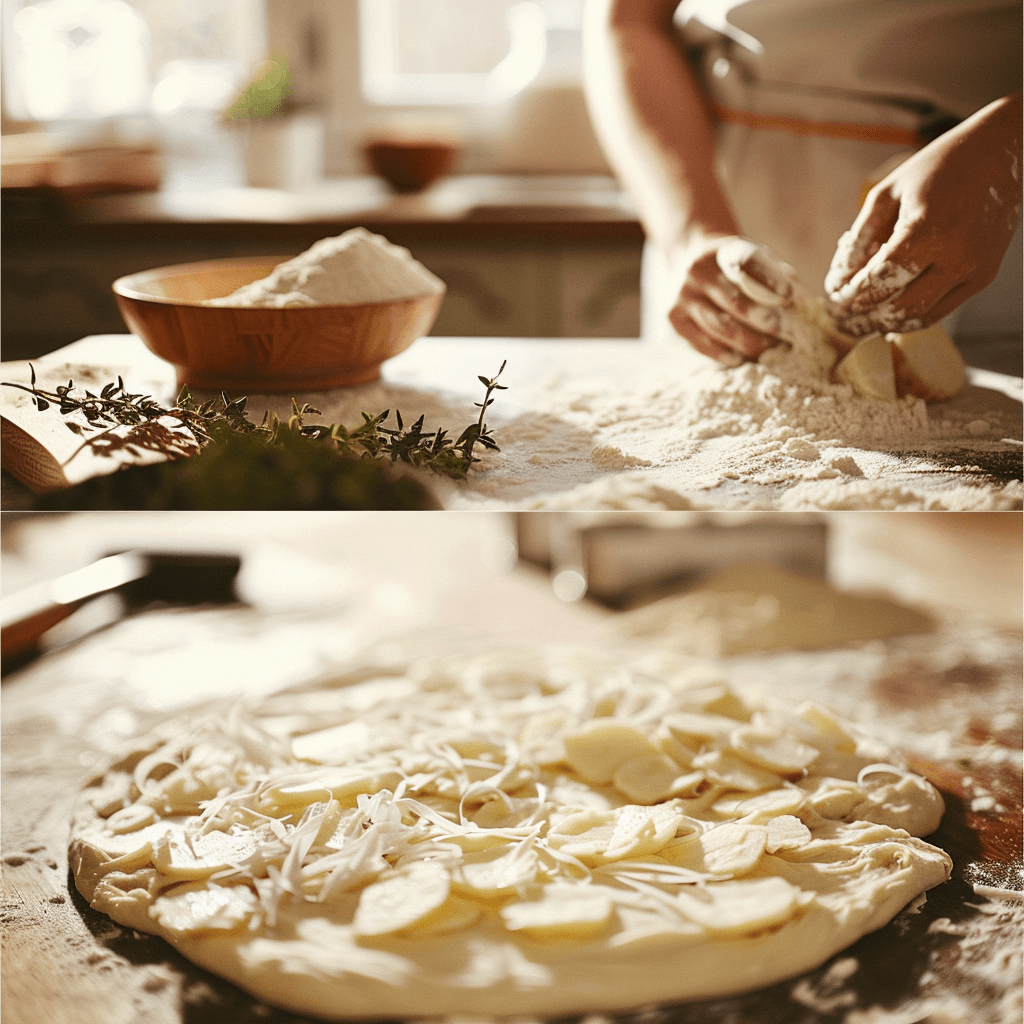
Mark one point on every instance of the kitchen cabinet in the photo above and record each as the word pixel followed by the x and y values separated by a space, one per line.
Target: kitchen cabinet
pixel 528 256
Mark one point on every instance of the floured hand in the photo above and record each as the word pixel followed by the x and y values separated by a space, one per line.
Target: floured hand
pixel 735 299
pixel 934 231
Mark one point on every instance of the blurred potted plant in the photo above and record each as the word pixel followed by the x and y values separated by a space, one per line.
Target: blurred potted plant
pixel 284 139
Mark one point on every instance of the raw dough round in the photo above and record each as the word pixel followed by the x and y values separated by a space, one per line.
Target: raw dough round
pixel 517 833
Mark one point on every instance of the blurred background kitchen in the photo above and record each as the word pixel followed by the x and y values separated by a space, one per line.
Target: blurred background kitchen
pixel 141 133
pixel 707 584
pixel 146 133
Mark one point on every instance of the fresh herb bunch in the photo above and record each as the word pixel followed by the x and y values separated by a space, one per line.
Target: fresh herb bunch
pixel 151 426
pixel 234 463
pixel 239 470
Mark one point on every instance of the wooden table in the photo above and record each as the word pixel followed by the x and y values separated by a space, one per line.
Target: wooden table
pixel 606 449
pixel 320 586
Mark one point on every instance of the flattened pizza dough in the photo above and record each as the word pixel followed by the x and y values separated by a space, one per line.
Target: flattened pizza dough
pixel 517 833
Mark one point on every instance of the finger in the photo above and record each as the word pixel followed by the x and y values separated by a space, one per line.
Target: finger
pixel 727 330
pixel 757 272
pixel 708 282
pixel 882 278
pixel 953 299
pixel 908 310
pixel 875 223
pixel 763 321
pixel 902 311
pixel 923 303
pixel 686 327
pixel 943 306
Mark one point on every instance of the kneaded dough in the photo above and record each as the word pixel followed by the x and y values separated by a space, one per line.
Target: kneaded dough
pixel 524 832
pixel 760 607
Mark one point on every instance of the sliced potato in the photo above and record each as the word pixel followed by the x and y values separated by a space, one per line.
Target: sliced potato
pixel 828 726
pixel 760 809
pixel 868 369
pixel 499 871
pixel 200 906
pixel 786 832
pixel 599 837
pixel 561 912
pixel 734 772
pixel 131 818
pixel 178 856
pixel 731 849
pixel 742 906
pixel 399 900
pixel 343 783
pixel 598 748
pixel 775 751
pixel 647 779
pixel 455 913
pixel 688 727
pixel 928 364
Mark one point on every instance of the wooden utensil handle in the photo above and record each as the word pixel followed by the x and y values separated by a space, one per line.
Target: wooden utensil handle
pixel 26 617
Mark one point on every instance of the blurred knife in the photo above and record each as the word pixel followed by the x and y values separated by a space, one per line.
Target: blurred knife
pixel 139 577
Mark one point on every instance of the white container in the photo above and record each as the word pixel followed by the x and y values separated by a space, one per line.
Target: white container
pixel 285 152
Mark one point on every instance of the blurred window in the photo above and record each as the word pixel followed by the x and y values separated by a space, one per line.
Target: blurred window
pixel 92 59
pixel 459 52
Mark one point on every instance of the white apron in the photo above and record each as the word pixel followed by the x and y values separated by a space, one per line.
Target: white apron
pixel 815 99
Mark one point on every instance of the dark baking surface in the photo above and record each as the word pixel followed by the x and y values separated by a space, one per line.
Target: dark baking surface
pixel 64 963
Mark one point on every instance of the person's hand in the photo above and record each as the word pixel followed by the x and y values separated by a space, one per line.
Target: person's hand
pixel 733 298
pixel 934 231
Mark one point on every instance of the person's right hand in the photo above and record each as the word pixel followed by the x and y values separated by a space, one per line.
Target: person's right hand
pixel 733 298
pixel 934 231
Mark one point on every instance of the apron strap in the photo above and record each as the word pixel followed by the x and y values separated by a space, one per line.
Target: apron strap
pixel 829 129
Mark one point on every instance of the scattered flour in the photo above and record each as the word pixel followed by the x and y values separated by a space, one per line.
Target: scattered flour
pixel 594 425
pixel 353 267
pixel 782 396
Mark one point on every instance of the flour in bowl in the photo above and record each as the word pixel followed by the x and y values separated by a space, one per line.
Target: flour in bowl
pixel 355 267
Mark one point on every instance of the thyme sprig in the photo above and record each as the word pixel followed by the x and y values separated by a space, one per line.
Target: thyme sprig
pixel 154 427
pixel 113 406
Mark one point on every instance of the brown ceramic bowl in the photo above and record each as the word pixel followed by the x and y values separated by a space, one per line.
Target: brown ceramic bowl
pixel 410 166
pixel 246 349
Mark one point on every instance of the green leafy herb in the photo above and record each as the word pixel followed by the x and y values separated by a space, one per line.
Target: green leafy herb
pixel 190 425
pixel 269 92
pixel 241 471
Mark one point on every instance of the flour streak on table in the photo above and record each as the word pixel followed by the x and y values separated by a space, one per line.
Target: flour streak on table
pixel 594 425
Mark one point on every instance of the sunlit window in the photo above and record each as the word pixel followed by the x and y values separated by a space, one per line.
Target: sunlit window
pixel 79 58
pixel 88 59
pixel 453 52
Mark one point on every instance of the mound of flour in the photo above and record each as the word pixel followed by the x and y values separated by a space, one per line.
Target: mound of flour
pixel 355 267
pixel 784 395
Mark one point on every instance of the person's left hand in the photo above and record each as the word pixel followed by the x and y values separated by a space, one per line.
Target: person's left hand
pixel 733 298
pixel 934 231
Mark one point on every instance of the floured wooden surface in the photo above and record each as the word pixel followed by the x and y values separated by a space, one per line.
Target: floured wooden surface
pixel 617 425
pixel 951 700
pixel 48 451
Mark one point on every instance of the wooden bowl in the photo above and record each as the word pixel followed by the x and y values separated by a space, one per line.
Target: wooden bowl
pixel 247 349
pixel 410 166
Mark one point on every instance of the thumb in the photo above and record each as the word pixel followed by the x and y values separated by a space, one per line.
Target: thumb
pixel 757 271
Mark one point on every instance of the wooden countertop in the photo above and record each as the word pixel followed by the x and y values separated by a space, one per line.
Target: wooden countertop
pixel 461 207
pixel 552 452
pixel 319 587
